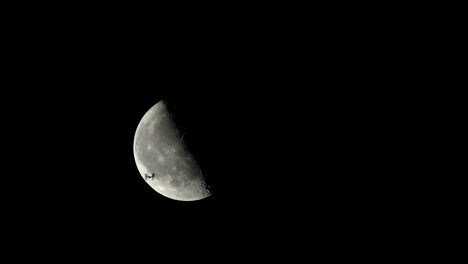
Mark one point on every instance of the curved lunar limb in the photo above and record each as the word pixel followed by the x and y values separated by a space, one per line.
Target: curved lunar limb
pixel 163 160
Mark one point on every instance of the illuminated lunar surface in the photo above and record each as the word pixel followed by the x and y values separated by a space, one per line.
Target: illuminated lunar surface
pixel 159 149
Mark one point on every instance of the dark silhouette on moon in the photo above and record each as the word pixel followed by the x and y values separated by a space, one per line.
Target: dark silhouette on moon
pixel 158 147
pixel 149 176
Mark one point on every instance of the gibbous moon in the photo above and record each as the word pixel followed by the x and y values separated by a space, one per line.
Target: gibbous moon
pixel 163 160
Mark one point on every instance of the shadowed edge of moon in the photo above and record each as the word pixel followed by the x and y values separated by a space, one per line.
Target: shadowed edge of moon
pixel 159 149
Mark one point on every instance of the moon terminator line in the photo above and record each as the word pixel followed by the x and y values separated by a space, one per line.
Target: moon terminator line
pixel 160 151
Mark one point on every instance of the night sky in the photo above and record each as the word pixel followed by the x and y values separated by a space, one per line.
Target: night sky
pixel 293 143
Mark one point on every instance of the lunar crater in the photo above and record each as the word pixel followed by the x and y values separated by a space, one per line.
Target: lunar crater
pixel 160 149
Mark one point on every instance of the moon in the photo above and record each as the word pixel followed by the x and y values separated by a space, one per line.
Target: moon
pixel 163 159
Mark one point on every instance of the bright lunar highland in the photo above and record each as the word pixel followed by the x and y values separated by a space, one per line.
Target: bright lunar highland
pixel 163 159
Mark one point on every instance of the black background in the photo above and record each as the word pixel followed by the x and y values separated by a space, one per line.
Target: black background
pixel 290 127
pixel 280 160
